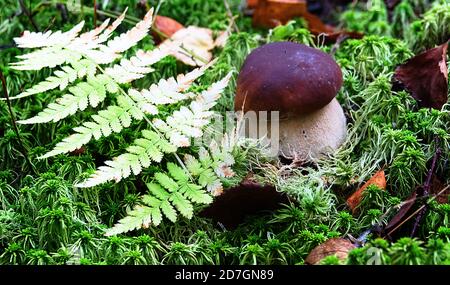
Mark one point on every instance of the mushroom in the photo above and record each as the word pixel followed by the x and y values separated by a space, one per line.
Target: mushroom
pixel 301 83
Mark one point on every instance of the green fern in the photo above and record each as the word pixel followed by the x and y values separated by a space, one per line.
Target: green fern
pixel 83 55
pixel 134 106
pixel 176 131
pixel 176 191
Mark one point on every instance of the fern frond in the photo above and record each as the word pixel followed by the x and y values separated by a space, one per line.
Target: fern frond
pixel 69 47
pixel 182 125
pixel 169 194
pixel 179 189
pixel 150 147
pixel 115 118
pixel 91 92
pixel 187 122
pixel 61 78
pixel 49 38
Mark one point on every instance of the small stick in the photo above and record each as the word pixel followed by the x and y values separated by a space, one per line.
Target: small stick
pixel 23 151
pixel 341 38
pixel 95 13
pixel 427 186
pixel 230 15
pixel 64 15
pixel 418 210
pixel 28 14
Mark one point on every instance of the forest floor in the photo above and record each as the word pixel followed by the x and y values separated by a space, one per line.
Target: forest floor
pixel 398 138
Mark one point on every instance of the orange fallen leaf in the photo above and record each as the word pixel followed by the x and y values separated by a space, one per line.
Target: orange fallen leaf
pixel 271 13
pixel 167 26
pixel 378 179
pixel 251 4
pixel 335 246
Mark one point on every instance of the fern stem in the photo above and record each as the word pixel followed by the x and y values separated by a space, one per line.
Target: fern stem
pixel 23 150
pixel 95 13
pixel 148 122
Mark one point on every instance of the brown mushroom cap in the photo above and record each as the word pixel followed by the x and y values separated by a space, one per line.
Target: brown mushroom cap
pixel 287 77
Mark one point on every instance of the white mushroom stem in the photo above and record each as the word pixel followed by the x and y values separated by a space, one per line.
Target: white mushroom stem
pixel 309 136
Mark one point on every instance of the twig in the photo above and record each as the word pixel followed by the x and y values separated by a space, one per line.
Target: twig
pixel 230 15
pixel 341 38
pixel 23 150
pixel 95 13
pixel 28 14
pixel 64 15
pixel 418 210
pixel 426 187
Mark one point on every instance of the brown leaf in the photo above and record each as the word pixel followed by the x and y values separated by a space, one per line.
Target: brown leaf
pixel 335 246
pixel 167 26
pixel 378 179
pixel 248 198
pixel 436 187
pixel 425 77
pixel 251 4
pixel 271 13
pixel 399 217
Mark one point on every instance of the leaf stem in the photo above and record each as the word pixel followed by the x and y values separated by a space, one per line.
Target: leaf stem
pixel 23 150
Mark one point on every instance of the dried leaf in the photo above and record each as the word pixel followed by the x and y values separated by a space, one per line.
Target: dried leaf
pixel 248 198
pixel 425 77
pixel 399 217
pixel 436 187
pixel 167 26
pixel 271 13
pixel 335 246
pixel 191 45
pixel 377 179
pixel 221 40
pixel 252 4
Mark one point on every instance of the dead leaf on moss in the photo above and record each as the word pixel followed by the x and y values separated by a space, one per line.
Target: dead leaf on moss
pixel 271 13
pixel 167 26
pixel 401 214
pixel 222 38
pixel 425 77
pixel 191 45
pixel 248 198
pixel 378 179
pixel 436 187
pixel 335 246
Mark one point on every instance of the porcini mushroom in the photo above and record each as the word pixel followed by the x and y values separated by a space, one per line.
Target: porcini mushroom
pixel 301 83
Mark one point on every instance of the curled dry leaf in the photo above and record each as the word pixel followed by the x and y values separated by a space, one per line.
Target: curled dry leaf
pixel 335 246
pixel 248 198
pixel 378 179
pixel 167 26
pixel 191 45
pixel 425 77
